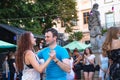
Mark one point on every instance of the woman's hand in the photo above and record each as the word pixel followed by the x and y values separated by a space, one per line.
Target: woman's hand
pixel 85 56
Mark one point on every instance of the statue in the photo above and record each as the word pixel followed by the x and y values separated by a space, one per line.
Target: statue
pixel 100 40
pixel 94 26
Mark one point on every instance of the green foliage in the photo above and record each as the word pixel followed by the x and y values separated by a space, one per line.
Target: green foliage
pixel 68 29
pixel 104 31
pixel 21 12
pixel 76 36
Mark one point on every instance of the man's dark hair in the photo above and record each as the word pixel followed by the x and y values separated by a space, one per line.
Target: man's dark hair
pixel 53 31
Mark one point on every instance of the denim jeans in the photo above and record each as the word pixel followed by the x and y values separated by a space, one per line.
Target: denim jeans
pixel 4 76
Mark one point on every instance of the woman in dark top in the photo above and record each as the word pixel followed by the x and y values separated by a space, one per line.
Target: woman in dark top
pixel 11 63
pixel 112 47
pixel 77 65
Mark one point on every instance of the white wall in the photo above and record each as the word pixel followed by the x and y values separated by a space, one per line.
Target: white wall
pixel 107 7
pixel 83 6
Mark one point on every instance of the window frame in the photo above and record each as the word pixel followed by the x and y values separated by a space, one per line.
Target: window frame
pixel 108 13
pixel 106 1
pixel 85 18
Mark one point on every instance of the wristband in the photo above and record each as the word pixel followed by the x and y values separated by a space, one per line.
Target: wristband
pixel 56 61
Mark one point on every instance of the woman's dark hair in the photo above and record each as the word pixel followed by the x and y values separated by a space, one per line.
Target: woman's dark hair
pixel 24 44
pixel 111 34
pixel 75 50
pixel 69 52
pixel 89 51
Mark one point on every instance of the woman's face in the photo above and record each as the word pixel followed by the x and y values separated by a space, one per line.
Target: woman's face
pixel 87 51
pixel 76 53
pixel 33 40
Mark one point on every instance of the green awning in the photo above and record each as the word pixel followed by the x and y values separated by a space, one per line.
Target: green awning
pixel 76 44
pixel 4 45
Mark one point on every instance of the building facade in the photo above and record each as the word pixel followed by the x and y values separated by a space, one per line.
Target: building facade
pixel 109 16
pixel 83 8
pixel 109 12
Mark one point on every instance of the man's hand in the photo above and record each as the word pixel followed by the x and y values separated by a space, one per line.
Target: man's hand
pixel 53 54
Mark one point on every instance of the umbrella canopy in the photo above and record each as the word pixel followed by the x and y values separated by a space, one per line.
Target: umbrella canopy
pixel 76 44
pixel 4 45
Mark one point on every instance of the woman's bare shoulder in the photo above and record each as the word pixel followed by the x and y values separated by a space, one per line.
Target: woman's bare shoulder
pixel 29 53
pixel 116 44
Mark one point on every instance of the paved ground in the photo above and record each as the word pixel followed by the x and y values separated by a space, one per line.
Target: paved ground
pixel 95 76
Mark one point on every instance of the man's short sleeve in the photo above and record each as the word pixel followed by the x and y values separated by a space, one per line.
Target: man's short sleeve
pixel 40 54
pixel 64 53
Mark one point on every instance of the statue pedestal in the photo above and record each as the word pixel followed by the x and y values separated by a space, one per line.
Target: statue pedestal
pixel 96 51
pixel 97 54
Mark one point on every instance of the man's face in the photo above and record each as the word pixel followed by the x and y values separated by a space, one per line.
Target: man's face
pixel 49 38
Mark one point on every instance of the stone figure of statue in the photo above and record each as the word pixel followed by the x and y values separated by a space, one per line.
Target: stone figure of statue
pixel 94 25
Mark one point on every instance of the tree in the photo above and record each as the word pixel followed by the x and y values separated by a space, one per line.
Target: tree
pixel 76 36
pixel 36 15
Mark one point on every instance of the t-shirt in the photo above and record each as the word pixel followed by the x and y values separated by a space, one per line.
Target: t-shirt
pixel 104 62
pixel 92 56
pixel 53 71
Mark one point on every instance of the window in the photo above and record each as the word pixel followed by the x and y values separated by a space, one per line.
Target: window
pixel 73 22
pixel 109 19
pixel 85 17
pixel 107 1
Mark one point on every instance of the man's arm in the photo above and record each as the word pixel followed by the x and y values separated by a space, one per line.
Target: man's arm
pixel 64 64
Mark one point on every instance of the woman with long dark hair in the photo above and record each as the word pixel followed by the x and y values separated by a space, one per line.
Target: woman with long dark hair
pixel 88 64
pixel 12 65
pixel 27 61
pixel 111 47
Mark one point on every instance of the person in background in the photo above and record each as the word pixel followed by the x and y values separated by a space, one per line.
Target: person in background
pixel 12 65
pixel 70 76
pixel 77 64
pixel 37 48
pixel 60 65
pixel 103 63
pixel 5 67
pixel 111 47
pixel 89 62
pixel 27 61
pixel 107 77
pixel 41 44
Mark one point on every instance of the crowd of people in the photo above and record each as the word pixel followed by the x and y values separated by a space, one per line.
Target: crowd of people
pixel 60 63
